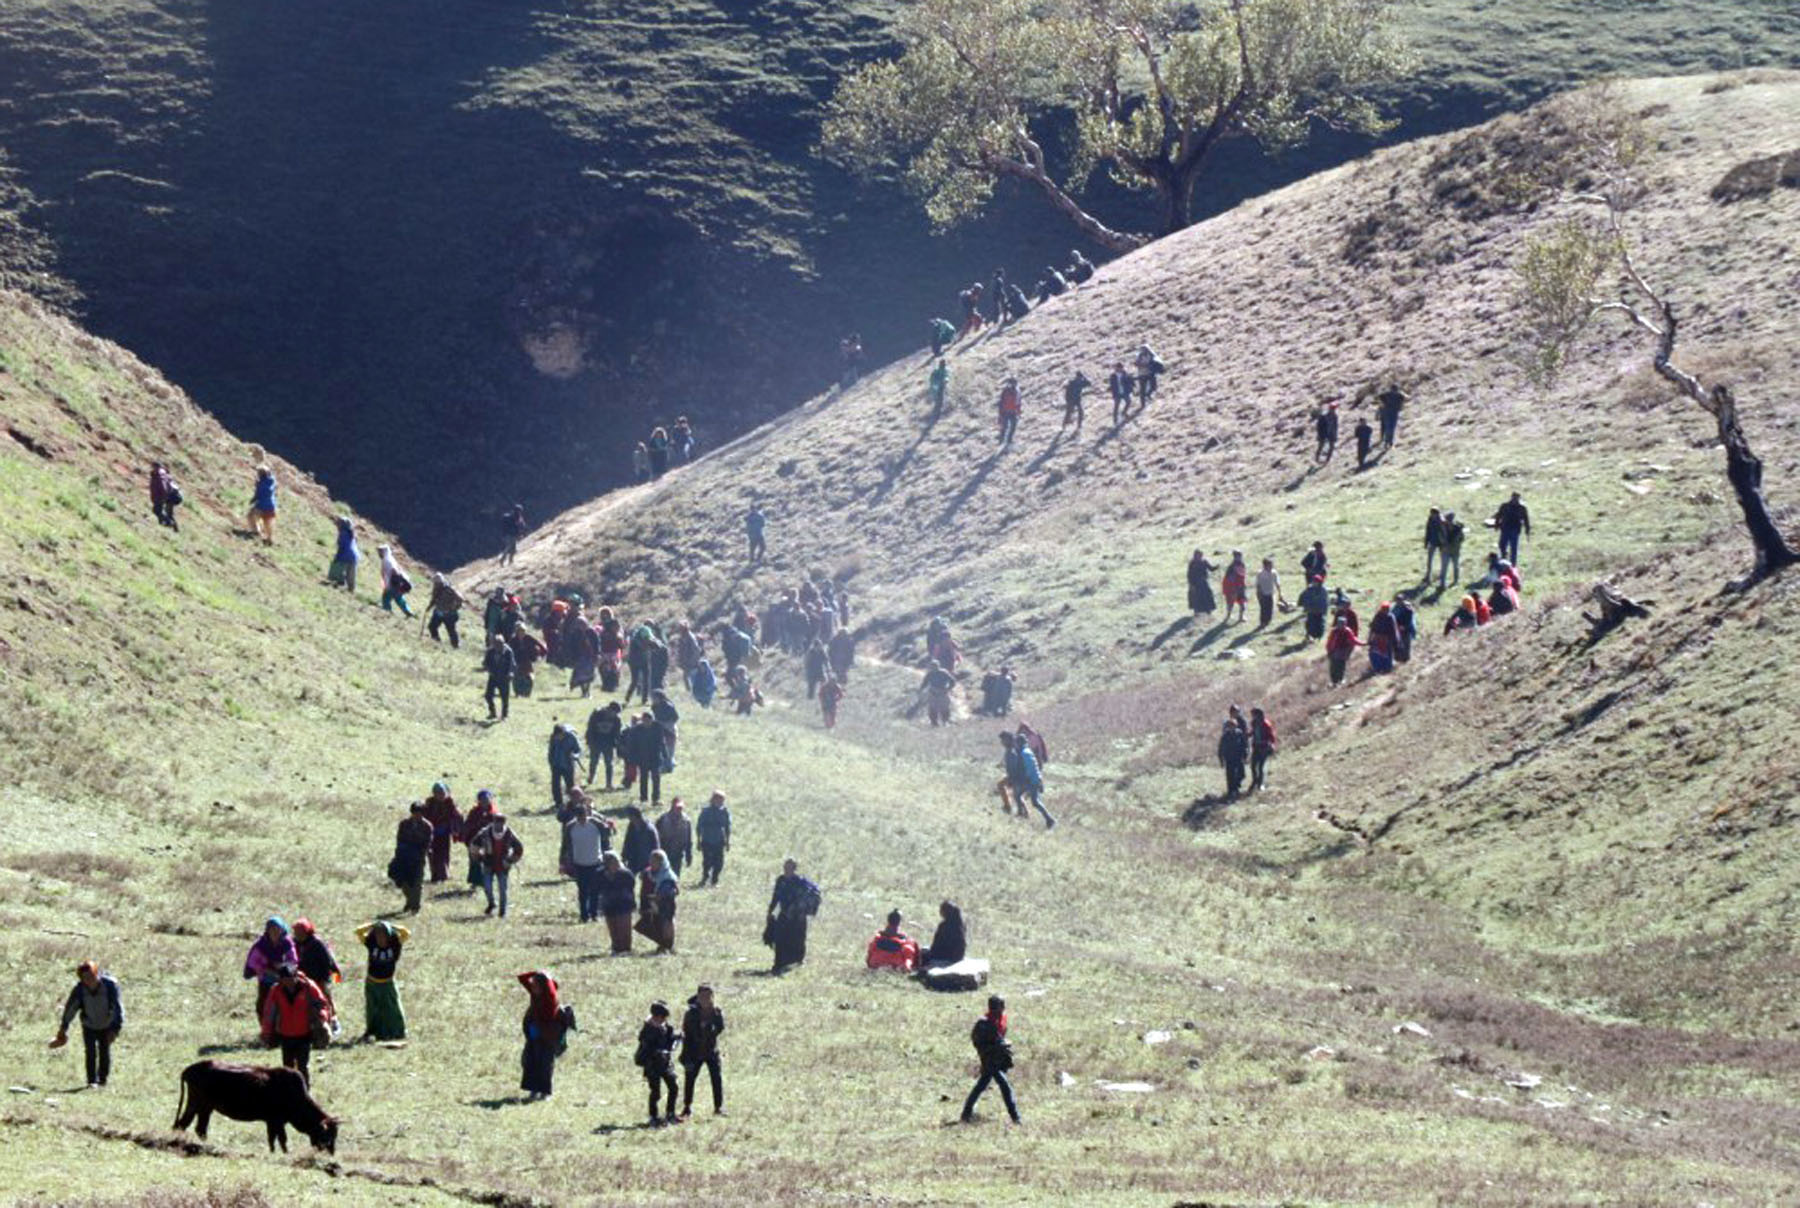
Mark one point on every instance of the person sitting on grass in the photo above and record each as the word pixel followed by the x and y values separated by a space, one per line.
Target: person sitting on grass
pixel 892 948
pixel 950 942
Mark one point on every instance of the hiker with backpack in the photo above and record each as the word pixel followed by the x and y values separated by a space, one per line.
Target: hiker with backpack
pixel 262 505
pixel 1024 771
pixel 342 572
pixel 446 609
pixel 1073 389
pixel 546 1026
pixel 996 693
pixel 1234 751
pixel 793 901
pixel 1149 369
pixel 165 496
pixel 527 649
pixel 1009 408
pixel 655 1056
pixel 1262 745
pixel 95 1001
pixel 994 1052
pixel 701 1027
pixel 394 583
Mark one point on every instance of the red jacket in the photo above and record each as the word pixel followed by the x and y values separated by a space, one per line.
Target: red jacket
pixel 1340 642
pixel 895 951
pixel 289 1016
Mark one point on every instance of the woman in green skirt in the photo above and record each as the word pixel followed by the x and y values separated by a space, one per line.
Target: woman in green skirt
pixel 383 1018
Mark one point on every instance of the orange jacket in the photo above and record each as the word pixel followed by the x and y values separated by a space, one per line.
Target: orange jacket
pixel 290 1016
pixel 896 951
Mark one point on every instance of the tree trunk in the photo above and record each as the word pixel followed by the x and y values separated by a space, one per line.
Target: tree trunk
pixel 1744 469
pixel 1093 228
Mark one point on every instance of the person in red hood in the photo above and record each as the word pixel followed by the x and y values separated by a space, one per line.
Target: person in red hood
pixel 546 1025
pixel 446 824
pixel 472 825
pixel 1340 644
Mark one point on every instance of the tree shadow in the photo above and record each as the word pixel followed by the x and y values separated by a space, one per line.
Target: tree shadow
pixel 1209 637
pixel 1175 627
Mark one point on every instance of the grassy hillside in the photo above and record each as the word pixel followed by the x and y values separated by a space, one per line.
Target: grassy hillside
pixel 515 232
pixel 1595 944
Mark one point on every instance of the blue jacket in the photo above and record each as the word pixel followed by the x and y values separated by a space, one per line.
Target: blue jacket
pixel 565 749
pixel 1026 763
pixel 264 499
pixel 346 549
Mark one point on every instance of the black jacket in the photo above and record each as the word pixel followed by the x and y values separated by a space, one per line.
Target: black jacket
pixel 700 1032
pixel 990 1045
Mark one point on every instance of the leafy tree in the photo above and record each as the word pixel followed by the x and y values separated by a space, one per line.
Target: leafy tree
pixel 1584 269
pixel 1154 87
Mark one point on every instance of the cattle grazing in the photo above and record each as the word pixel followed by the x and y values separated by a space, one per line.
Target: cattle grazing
pixel 277 1097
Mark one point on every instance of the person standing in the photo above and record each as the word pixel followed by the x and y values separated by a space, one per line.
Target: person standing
pixel 1384 639
pixel 1512 519
pixel 498 850
pixel 794 900
pixel 272 949
pixel 1325 427
pixel 937 686
pixel 96 1002
pixel 1119 384
pixel 1315 603
pixel 657 892
pixel 317 960
pixel 296 1011
pixel 1339 646
pixel 617 888
pixel 446 609
pixel 1236 585
pixel 1009 407
pixel 714 828
pixel 1234 749
pixel 645 750
pixel 1315 562
pixel 1073 389
pixel 345 560
pixel 446 825
pixel 412 844
pixel 564 754
pixel 1434 540
pixel 603 730
pixel 500 665
pixel 547 1024
pixel 756 525
pixel 262 505
pixel 588 839
pixel 1406 628
pixel 701 1026
pixel 937 386
pixel 383 1017
pixel 1388 406
pixel 831 695
pixel 1149 368
pixel 1199 585
pixel 675 835
pixel 512 531
pixel 1268 591
pixel 1450 557
pixel 473 825
pixel 1262 745
pixel 656 1058
pixel 394 583
pixel 164 496
pixel 1365 436
pixel 994 1052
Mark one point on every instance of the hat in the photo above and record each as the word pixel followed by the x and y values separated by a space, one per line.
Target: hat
pixel 303 926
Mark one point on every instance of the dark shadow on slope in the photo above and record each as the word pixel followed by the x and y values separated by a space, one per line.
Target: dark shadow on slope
pixel 895 471
pixel 969 488
pixel 1209 637
pixel 1179 625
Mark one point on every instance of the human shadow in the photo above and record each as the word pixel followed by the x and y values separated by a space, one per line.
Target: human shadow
pixel 1209 637
pixel 969 488
pixel 1205 811
pixel 1042 459
pixel 892 475
pixel 604 1130
pixel 1301 479
pixel 244 1046
pixel 494 1105
pixel 1175 627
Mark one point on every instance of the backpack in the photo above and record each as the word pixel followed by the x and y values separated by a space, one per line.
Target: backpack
pixel 1035 741
pixel 811 897
pixel 173 494
pixel 398 583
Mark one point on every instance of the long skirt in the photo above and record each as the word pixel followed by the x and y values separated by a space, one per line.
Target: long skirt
pixel 382 1017
pixel 788 938
pixel 1200 597
pixel 539 1065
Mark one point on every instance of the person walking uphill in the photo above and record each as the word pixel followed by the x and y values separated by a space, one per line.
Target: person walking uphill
pixel 995 1054
pixel 262 505
pixel 342 572
pixel 794 901
pixel 564 754
pixel 500 665
pixel 498 850
pixel 412 845
pixel 547 1024
pixel 604 726
pixel 938 385
pixel 95 1001
pixel 446 825
pixel 701 1026
pixel 1262 745
pixel 1009 408
pixel 1512 519
pixel 1024 775
pixel 394 582
pixel 713 828
pixel 383 1017
pixel 655 1056
pixel 445 608
pixel 296 1016
pixel 165 496
pixel 756 524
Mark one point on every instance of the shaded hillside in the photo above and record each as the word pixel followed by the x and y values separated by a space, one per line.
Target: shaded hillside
pixel 518 234
pixel 1064 555
pixel 200 734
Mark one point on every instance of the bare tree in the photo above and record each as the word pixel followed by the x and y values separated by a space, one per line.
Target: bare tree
pixel 1585 269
